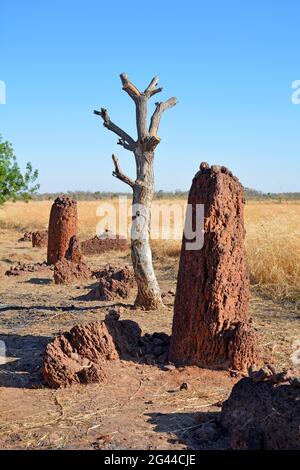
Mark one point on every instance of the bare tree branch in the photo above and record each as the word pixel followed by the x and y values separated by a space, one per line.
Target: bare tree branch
pixel 132 90
pixel 156 117
pixel 119 174
pixel 125 145
pixel 125 138
pixel 152 88
pixel 157 90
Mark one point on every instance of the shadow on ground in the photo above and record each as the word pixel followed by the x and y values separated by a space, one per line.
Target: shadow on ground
pixel 23 356
pixel 39 281
pixel 195 430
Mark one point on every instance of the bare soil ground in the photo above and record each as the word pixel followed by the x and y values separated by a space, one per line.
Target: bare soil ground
pixel 141 406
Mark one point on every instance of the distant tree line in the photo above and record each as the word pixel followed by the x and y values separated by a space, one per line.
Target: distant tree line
pixel 250 194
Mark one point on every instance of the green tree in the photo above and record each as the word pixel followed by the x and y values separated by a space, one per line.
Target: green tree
pixel 13 184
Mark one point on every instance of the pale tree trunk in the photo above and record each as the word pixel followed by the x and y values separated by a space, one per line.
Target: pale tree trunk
pixel 149 295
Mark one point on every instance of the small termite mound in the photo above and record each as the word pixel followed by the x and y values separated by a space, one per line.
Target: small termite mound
pixel 62 227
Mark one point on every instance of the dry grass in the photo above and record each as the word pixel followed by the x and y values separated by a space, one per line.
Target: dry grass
pixel 273 238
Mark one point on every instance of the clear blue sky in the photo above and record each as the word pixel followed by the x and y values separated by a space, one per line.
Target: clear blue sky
pixel 229 63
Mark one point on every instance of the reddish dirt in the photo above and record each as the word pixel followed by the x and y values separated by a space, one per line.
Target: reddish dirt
pixel 68 272
pixel 115 282
pixel 79 356
pixel 104 242
pixel 141 404
pixel 39 239
pixel 27 237
pixel 263 414
pixel 210 326
pixel 23 268
pixel 62 227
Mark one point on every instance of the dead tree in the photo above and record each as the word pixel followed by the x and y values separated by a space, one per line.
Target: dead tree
pixel 149 296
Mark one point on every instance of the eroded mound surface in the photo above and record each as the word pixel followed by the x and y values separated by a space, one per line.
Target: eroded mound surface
pixel 114 282
pixel 79 356
pixel 23 268
pixel 263 411
pixel 68 272
pixel 62 227
pixel 40 239
pixel 104 242
pixel 27 237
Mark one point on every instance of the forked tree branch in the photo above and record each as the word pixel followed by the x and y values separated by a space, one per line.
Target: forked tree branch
pixel 156 117
pixel 125 140
pixel 152 88
pixel 132 90
pixel 119 174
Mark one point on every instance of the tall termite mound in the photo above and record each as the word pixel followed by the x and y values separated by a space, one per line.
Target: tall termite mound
pixel 62 227
pixel 210 325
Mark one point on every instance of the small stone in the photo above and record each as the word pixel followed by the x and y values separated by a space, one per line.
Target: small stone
pixel 234 373
pixel 204 166
pixel 169 367
pixel 215 168
pixel 224 170
pixel 261 374
pixel 185 386
pixel 281 377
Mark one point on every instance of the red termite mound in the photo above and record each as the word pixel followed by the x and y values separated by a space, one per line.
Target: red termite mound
pixel 114 282
pixel 79 356
pixel 83 354
pixel 27 237
pixel 263 412
pixel 210 326
pixel 62 227
pixel 72 268
pixel 39 238
pixel 107 241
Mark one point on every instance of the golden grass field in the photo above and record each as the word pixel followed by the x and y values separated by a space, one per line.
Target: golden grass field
pixel 273 237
